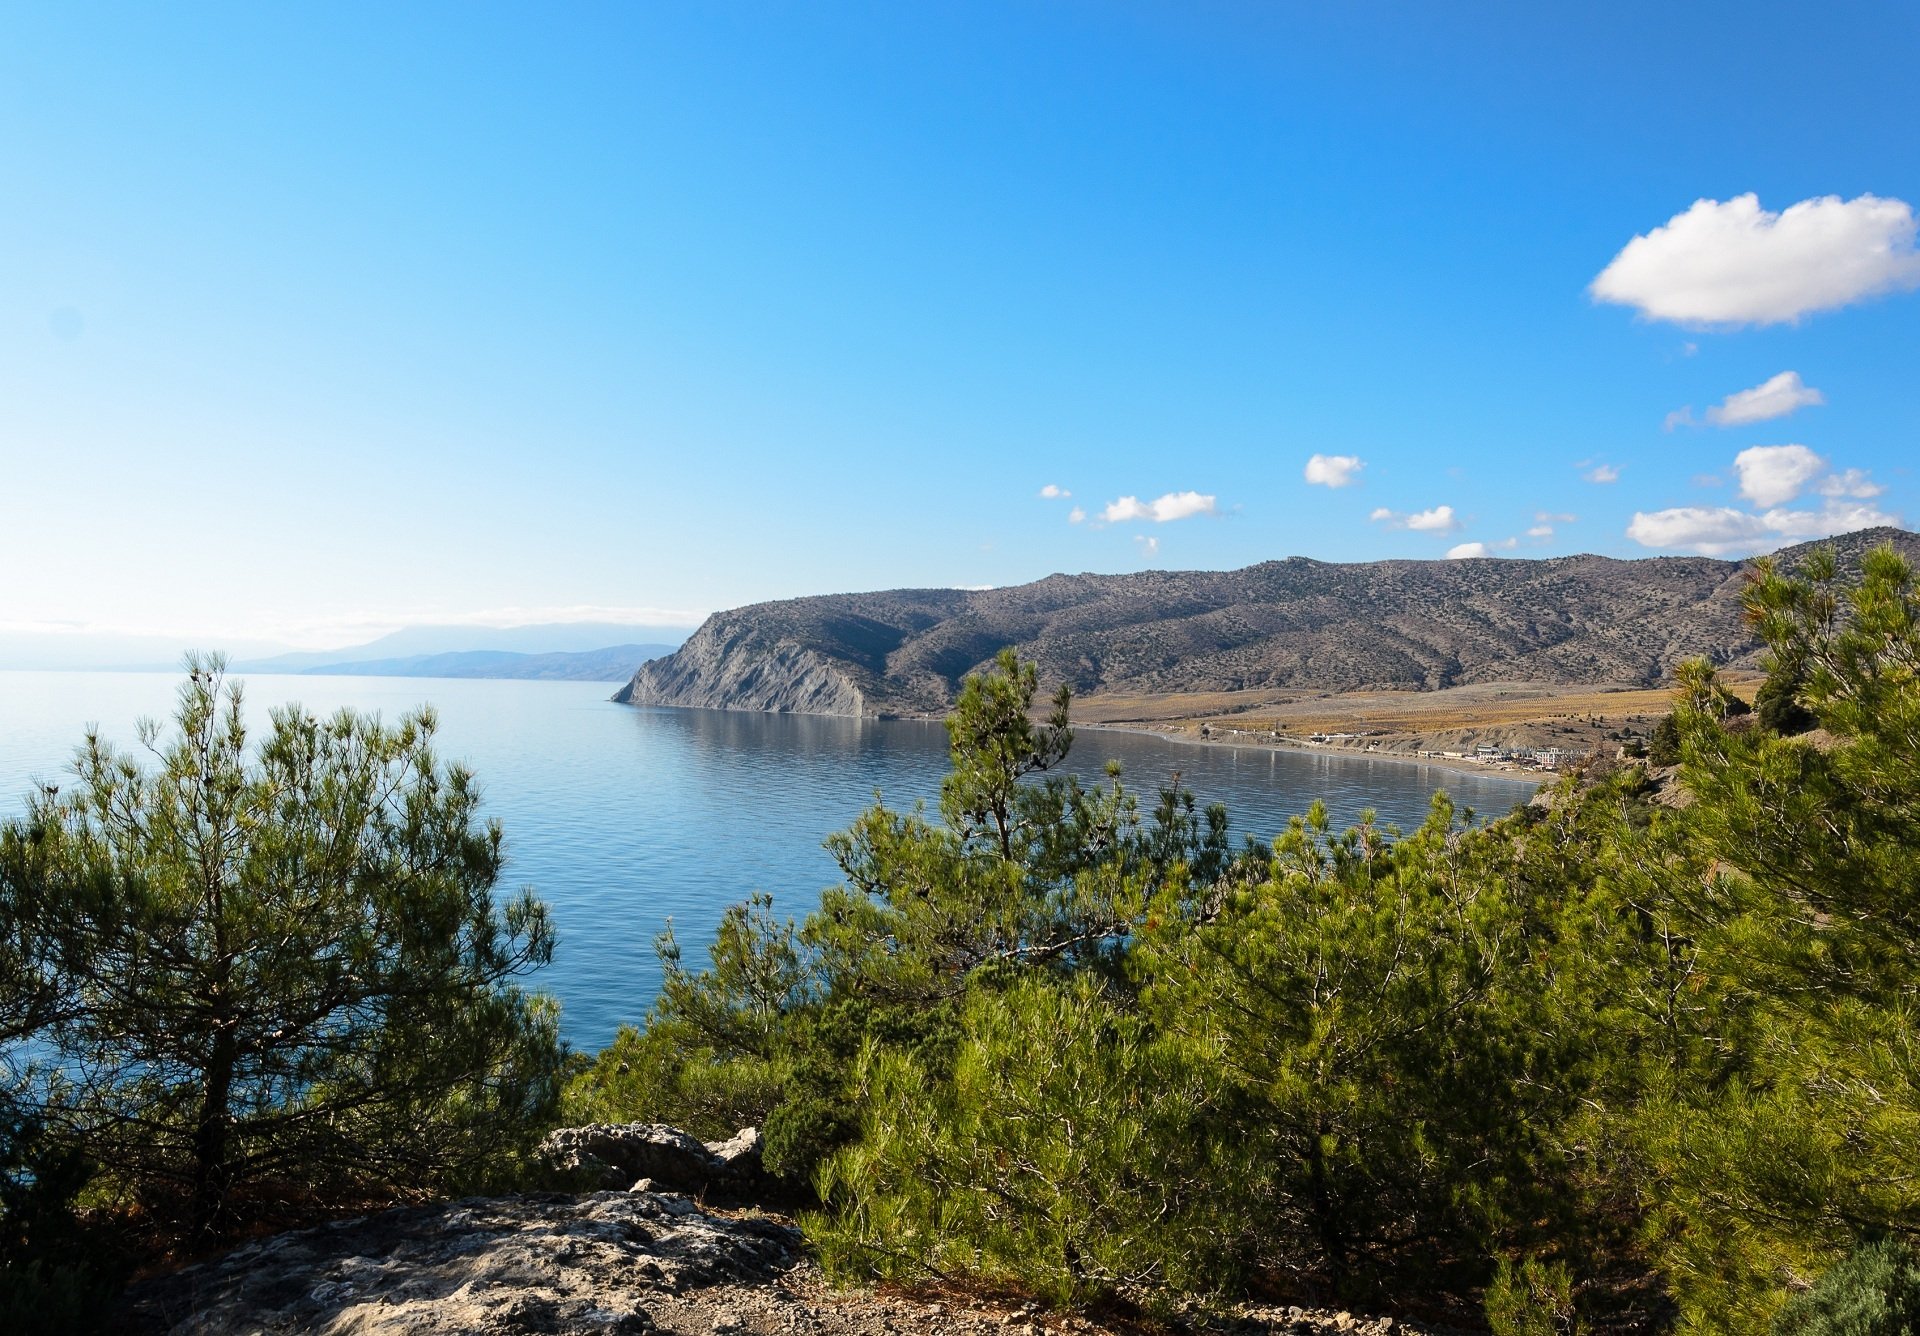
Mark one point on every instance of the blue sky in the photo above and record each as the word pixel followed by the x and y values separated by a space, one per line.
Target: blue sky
pixel 319 320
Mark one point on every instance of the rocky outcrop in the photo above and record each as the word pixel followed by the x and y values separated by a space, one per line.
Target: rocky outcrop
pixel 642 1262
pixel 710 673
pixel 604 1264
pixel 1288 625
pixel 549 1263
pixel 653 1155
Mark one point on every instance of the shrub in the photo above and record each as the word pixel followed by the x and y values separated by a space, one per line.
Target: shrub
pixel 1534 1299
pixel 1874 1291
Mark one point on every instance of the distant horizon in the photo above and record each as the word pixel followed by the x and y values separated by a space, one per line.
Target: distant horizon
pixel 477 637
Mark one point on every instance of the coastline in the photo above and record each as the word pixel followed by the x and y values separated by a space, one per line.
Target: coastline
pixel 1536 778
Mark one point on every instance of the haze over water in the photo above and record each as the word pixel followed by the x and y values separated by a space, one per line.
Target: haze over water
pixel 622 818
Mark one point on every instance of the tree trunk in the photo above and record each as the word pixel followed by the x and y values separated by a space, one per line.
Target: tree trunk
pixel 1326 1218
pixel 212 1174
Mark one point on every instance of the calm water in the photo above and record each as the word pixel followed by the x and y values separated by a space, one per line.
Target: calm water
pixel 622 818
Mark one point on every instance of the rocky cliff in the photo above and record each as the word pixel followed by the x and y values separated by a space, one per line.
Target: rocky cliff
pixel 1293 624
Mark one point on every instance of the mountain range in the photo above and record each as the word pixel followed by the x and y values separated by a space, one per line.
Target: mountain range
pixel 1297 624
pixel 583 651
pixel 613 663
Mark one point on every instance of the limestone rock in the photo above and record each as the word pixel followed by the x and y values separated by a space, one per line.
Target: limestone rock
pixel 539 1263
pixel 619 1155
pixel 739 1155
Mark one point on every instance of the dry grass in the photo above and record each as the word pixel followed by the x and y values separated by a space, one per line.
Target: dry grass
pixel 1510 714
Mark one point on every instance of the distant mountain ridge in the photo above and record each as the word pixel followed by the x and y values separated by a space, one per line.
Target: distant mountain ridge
pixel 419 642
pixel 1292 624
pixel 615 663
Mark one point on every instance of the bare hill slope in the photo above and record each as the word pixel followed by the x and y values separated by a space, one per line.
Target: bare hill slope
pixel 1294 624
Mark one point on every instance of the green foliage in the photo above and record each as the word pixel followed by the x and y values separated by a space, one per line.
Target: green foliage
pixel 713 1055
pixel 1062 1151
pixel 1371 1003
pixel 281 964
pixel 1874 1291
pixel 53 1278
pixel 1777 704
pixel 1012 873
pixel 1663 745
pixel 1533 1299
pixel 1807 945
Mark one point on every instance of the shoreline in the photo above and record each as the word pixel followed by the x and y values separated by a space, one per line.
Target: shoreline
pixel 1535 778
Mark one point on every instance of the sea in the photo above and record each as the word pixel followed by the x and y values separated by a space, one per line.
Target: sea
pixel 627 819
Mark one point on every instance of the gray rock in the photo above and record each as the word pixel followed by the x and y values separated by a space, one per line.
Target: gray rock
pixel 739 1155
pixel 503 1266
pixel 666 1159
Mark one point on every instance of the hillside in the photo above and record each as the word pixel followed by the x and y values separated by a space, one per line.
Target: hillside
pixel 1296 624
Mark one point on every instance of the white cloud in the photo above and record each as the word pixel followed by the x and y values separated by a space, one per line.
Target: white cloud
pixel 1717 531
pixel 1554 517
pixel 1773 398
pixel 1053 492
pixel 1149 546
pixel 1602 473
pixel 1711 530
pixel 1540 531
pixel 1440 519
pixel 1172 506
pixel 1460 551
pixel 1853 482
pixel 1771 475
pixel 1076 515
pixel 1736 263
pixel 1679 417
pixel 1333 470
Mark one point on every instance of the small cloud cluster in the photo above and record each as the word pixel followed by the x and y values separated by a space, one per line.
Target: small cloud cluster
pixel 1851 483
pixel 1334 470
pixel 1440 519
pixel 1774 397
pixel 1770 477
pixel 1160 510
pixel 1718 531
pixel 1544 522
pixel 1466 551
pixel 1600 473
pixel 1735 263
pixel 1055 492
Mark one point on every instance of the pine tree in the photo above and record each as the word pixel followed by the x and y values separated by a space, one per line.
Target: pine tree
pixel 285 963
pixel 1807 931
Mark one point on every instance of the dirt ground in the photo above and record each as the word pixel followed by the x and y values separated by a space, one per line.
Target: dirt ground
pixel 1596 717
